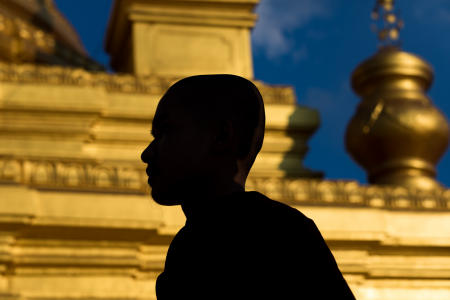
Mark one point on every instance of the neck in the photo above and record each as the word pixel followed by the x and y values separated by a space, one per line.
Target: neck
pixel 200 200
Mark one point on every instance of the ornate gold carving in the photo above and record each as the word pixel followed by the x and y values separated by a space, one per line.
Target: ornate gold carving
pixel 69 76
pixel 25 34
pixel 276 94
pixel 156 85
pixel 43 14
pixel 83 175
pixel 349 193
pixel 116 178
pixel 35 31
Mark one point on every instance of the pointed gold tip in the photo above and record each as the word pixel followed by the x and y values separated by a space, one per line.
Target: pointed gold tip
pixel 387 23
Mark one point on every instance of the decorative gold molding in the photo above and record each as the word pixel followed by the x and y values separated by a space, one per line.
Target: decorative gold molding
pixel 121 83
pixel 276 94
pixel 350 193
pixel 66 257
pixel 79 175
pixel 55 75
pixel 126 178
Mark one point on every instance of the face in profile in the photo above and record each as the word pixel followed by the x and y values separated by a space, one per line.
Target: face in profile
pixel 207 132
pixel 177 157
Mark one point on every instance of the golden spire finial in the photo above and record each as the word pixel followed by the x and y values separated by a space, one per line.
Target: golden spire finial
pixel 396 134
pixel 387 23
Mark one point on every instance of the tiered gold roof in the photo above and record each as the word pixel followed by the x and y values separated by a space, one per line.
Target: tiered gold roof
pixel 35 31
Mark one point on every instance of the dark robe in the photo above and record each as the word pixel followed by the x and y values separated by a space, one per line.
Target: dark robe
pixel 246 246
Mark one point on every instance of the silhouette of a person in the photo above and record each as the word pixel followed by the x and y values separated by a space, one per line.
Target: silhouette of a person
pixel 207 132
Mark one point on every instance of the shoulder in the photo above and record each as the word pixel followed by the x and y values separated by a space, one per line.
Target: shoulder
pixel 274 216
pixel 261 204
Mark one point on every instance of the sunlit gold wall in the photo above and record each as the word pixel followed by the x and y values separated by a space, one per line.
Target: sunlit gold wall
pixel 76 218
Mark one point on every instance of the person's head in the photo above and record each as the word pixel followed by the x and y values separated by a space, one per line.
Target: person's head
pixel 207 132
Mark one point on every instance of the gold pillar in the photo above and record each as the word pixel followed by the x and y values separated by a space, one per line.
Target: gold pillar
pixel 178 38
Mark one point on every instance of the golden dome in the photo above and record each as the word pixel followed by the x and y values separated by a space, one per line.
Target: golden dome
pixel 35 31
pixel 397 135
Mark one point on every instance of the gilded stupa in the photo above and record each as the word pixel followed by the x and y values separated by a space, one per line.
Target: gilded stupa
pixel 76 220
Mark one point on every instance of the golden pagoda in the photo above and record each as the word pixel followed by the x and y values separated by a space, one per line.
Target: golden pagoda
pixel 76 218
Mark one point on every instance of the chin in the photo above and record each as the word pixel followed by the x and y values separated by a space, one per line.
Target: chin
pixel 165 199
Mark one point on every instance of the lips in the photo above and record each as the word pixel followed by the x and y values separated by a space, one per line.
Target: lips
pixel 151 173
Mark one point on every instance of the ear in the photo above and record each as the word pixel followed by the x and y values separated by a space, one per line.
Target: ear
pixel 225 138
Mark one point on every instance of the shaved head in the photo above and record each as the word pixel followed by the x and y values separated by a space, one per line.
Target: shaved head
pixel 216 98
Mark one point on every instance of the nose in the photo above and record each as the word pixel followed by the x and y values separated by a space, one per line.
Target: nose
pixel 147 153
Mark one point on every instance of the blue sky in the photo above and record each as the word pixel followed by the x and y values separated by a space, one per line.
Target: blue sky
pixel 314 45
